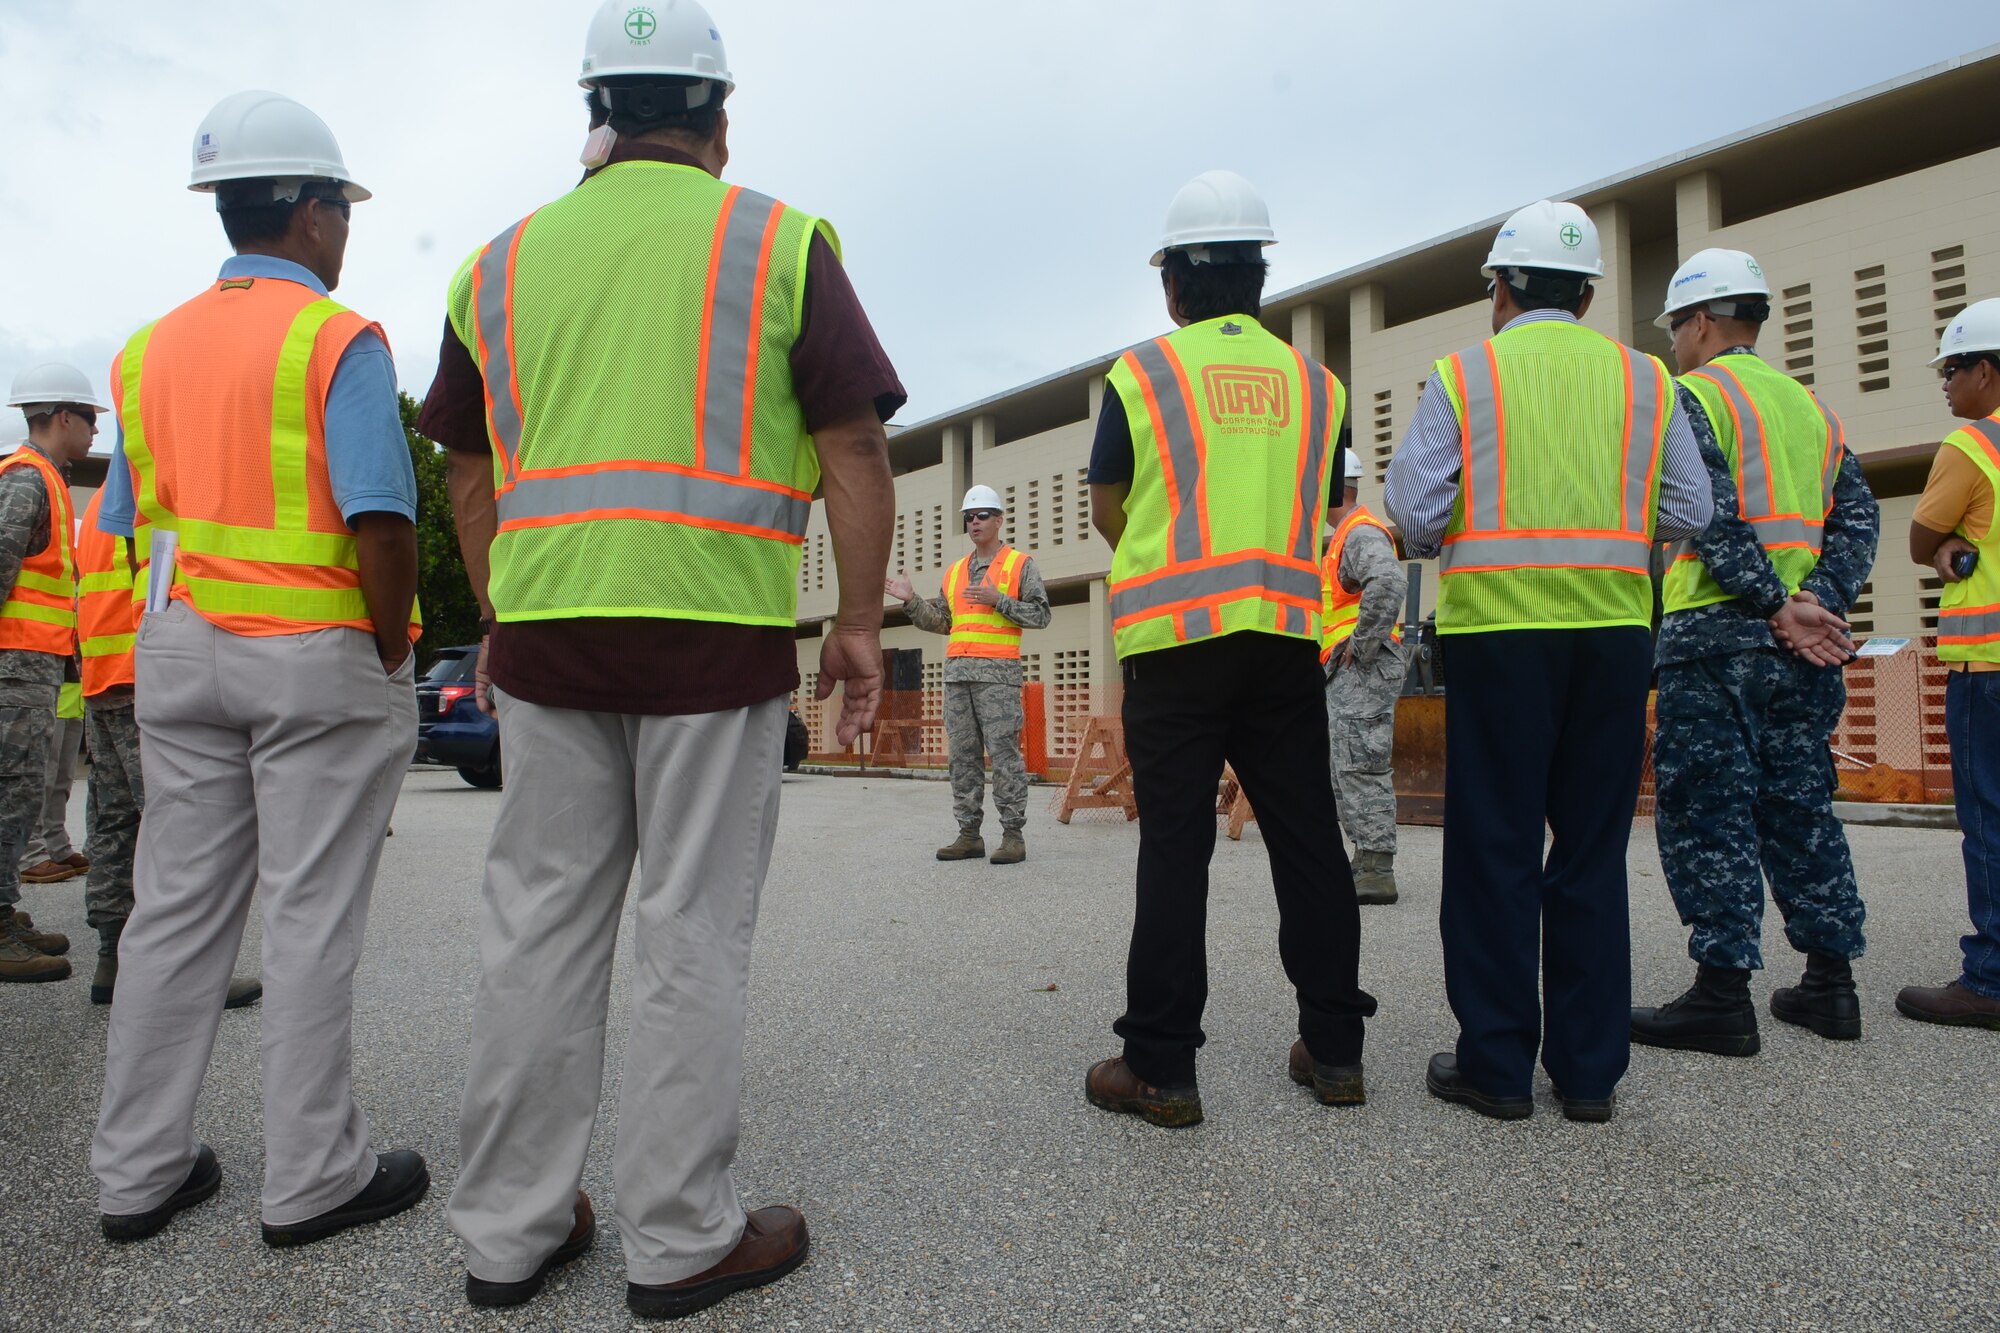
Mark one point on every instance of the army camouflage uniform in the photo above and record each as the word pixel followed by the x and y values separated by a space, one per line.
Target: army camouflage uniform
pixel 1741 758
pixel 982 705
pixel 117 796
pixel 29 683
pixel 1361 696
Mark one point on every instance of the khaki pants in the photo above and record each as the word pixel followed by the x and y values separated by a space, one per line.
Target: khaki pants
pixel 271 764
pixel 695 799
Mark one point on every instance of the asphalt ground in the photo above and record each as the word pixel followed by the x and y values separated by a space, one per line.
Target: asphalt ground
pixel 918 1037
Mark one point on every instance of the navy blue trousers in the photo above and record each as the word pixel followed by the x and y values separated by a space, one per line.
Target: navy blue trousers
pixel 1542 728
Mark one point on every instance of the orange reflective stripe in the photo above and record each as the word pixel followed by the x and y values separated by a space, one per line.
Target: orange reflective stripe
pixel 1315 427
pixel 1198 438
pixel 1482 435
pixel 1178 436
pixel 725 387
pixel 493 330
pixel 1756 489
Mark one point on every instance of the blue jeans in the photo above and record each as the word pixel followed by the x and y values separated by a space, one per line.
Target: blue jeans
pixel 1972 719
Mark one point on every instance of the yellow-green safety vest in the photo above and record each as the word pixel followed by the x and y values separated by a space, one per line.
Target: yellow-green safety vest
pixel 1969 611
pixel 1232 440
pixel 650 457
pixel 1784 449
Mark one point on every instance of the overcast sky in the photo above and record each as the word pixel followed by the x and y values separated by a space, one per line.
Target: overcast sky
pixel 997 172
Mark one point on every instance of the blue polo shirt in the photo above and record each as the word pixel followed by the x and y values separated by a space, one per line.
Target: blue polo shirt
pixel 367 456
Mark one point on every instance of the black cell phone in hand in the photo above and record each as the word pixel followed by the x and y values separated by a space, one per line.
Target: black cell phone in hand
pixel 1964 562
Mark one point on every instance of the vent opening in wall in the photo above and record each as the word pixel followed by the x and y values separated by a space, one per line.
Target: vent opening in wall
pixel 1385 432
pixel 1930 589
pixel 1871 325
pixel 1948 288
pixel 1861 616
pixel 1798 313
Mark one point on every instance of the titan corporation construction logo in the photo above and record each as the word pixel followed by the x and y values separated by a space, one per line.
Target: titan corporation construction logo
pixel 640 25
pixel 1571 235
pixel 1248 396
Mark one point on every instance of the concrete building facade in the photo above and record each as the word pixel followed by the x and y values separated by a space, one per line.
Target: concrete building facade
pixel 1877 217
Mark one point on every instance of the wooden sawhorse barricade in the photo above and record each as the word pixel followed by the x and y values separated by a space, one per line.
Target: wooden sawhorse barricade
pixel 1101 776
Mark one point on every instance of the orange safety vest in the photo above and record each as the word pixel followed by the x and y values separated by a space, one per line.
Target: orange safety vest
pixel 981 631
pixel 1340 610
pixel 40 612
pixel 223 406
pixel 107 617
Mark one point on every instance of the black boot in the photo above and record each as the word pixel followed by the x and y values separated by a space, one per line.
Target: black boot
pixel 104 982
pixel 1715 1015
pixel 1824 1000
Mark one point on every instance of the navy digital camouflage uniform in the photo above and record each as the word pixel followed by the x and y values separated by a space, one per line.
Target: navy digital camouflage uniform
pixel 982 704
pixel 29 683
pixel 1744 776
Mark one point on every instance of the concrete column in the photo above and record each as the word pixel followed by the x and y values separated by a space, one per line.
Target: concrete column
pixel 1611 309
pixel 1096 396
pixel 984 430
pixel 1108 686
pixel 1697 210
pixel 1309 330
pixel 957 470
pixel 1366 314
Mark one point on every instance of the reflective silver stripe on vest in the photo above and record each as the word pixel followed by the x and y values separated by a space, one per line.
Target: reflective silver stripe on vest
pixel 1986 428
pixel 498 368
pixel 1642 448
pixel 1482 424
pixel 1788 531
pixel 734 313
pixel 1293 619
pixel 1319 407
pixel 1753 470
pixel 1178 426
pixel 1493 548
pixel 576 497
pixel 1200 623
pixel 1968 624
pixel 1195 584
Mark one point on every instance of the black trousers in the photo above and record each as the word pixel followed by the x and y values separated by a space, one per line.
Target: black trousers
pixel 1541 727
pixel 1258 702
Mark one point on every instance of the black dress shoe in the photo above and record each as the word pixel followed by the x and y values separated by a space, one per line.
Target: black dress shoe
pixel 582 1232
pixel 202 1182
pixel 1592 1110
pixel 400 1181
pixel 1445 1083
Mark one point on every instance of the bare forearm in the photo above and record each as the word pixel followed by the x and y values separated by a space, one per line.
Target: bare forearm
pixel 1107 511
pixel 1924 543
pixel 477 517
pixel 385 548
pixel 860 512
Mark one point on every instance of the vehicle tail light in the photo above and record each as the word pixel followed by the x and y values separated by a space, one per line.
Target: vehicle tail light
pixel 449 695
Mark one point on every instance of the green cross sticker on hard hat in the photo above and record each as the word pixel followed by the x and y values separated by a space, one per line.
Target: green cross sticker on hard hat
pixel 640 25
pixel 1571 234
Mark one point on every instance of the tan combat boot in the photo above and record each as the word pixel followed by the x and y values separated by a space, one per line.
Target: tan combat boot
pixel 22 927
pixel 20 962
pixel 1012 850
pixel 969 847
pixel 1375 877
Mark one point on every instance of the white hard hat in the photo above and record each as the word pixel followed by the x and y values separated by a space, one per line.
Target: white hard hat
pixel 667 38
pixel 257 135
pixel 51 383
pixel 1974 329
pixel 1559 237
pixel 982 497
pixel 1353 471
pixel 1714 275
pixel 1215 208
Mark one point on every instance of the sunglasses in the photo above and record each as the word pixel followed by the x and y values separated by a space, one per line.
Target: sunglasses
pixel 1950 368
pixel 1674 326
pixel 972 514
pixel 89 415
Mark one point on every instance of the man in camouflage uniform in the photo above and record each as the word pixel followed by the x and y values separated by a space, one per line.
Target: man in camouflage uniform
pixel 59 432
pixel 1740 754
pixel 1363 586
pixel 982 681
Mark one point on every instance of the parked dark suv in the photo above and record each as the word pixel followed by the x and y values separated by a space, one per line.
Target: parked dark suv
pixel 450 728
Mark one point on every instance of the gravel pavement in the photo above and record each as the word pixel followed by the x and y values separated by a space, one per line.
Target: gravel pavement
pixel 918 1036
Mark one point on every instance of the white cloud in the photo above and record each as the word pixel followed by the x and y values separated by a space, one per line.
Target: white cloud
pixel 997 173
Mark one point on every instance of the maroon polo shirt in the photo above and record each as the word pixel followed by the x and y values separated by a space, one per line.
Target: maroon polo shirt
pixel 645 664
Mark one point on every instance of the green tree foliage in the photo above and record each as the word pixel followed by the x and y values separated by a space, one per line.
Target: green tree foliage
pixel 451 614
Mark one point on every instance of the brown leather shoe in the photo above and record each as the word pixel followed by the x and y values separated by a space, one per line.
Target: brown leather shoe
pixel 1953 1006
pixel 582 1233
pixel 1112 1086
pixel 52 872
pixel 1333 1085
pixel 774 1243
pixel 21 926
pixel 79 861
